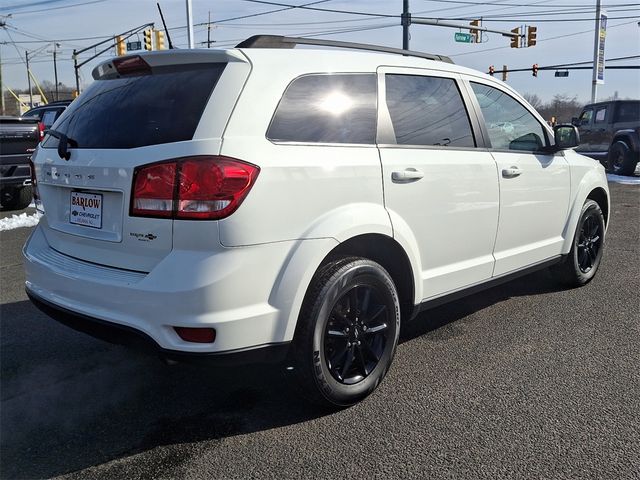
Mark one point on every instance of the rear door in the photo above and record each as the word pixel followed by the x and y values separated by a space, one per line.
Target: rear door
pixel 116 125
pixel 437 177
pixel 534 184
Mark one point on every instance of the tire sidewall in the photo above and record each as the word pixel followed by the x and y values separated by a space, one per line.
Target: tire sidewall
pixel 358 273
pixel 589 208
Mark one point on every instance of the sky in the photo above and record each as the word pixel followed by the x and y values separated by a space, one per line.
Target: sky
pixel 34 25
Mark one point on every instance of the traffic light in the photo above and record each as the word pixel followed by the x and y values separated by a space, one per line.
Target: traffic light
pixel 159 40
pixel 504 73
pixel 531 36
pixel 475 33
pixel 515 41
pixel 148 39
pixel 492 70
pixel 534 70
pixel 121 47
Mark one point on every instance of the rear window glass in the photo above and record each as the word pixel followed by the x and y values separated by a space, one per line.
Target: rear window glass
pixel 327 108
pixel 137 111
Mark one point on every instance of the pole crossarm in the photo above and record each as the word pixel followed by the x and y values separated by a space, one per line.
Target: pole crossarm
pixel 441 23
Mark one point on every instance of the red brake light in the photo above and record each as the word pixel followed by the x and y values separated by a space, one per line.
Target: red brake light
pixel 196 188
pixel 153 190
pixel 131 65
pixel 41 131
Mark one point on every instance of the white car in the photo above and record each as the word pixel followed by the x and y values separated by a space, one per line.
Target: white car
pixel 263 204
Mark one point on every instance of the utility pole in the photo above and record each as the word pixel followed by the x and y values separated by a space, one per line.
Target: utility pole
pixel 190 24
pixel 406 21
pixel 209 31
pixel 55 68
pixel 1 86
pixel 26 56
pixel 596 49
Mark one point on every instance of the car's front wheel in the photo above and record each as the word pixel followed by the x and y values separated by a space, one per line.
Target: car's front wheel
pixel 347 331
pixel 584 258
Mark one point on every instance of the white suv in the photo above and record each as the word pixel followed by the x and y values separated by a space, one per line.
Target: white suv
pixel 257 204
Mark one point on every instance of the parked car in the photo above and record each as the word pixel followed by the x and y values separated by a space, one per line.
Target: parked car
pixel 298 205
pixel 18 140
pixel 48 113
pixel 610 133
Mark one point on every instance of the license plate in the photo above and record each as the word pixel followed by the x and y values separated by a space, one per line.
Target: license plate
pixel 86 209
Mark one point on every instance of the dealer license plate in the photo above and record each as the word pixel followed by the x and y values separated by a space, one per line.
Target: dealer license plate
pixel 86 209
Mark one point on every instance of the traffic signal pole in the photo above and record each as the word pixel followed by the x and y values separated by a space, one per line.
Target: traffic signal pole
pixel 405 21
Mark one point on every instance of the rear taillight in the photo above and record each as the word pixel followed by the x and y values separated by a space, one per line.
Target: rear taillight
pixel 194 188
pixel 40 131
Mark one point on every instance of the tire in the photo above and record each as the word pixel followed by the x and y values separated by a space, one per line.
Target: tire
pixel 17 199
pixel 582 263
pixel 341 354
pixel 621 159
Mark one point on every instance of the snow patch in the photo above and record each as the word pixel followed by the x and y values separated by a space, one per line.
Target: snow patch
pixel 17 221
pixel 623 180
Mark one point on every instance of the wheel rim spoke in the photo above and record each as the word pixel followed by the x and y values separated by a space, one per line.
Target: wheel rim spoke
pixel 376 329
pixel 347 363
pixel 337 333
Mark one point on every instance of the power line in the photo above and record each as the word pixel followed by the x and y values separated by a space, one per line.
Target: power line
pixel 11 7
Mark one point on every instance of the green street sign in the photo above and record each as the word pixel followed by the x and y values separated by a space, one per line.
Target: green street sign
pixel 463 37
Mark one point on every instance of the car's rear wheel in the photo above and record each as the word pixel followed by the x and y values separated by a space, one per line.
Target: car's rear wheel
pixel 622 160
pixel 17 199
pixel 583 260
pixel 347 331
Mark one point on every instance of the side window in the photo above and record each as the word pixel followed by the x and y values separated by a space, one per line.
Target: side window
pixel 586 116
pixel 628 112
pixel 327 108
pixel 427 111
pixel 601 113
pixel 510 125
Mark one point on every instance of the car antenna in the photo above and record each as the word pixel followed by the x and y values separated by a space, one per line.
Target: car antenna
pixel 166 31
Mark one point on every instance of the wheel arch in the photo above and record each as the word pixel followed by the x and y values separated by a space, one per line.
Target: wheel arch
pixel 630 136
pixel 592 186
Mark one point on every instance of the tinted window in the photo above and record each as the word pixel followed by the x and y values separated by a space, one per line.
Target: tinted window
pixel 327 109
pixel 136 111
pixel 510 125
pixel 427 111
pixel 628 112
pixel 585 118
pixel 601 113
pixel 49 117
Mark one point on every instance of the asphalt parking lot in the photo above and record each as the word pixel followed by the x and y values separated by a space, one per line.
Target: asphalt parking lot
pixel 525 380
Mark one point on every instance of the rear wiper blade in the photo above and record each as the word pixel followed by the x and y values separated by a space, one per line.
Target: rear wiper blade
pixel 63 144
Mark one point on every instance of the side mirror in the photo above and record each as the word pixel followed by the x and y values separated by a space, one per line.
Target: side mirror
pixel 575 121
pixel 566 136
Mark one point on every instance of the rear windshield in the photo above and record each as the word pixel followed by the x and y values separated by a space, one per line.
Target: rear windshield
pixel 137 111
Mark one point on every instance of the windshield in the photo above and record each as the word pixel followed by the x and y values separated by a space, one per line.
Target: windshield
pixel 136 111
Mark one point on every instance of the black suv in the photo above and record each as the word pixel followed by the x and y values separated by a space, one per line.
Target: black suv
pixel 610 132
pixel 48 113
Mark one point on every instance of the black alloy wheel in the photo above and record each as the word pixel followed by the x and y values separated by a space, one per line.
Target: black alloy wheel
pixel 583 260
pixel 347 332
pixel 589 242
pixel 356 334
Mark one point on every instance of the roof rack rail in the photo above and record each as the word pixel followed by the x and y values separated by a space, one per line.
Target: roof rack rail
pixel 279 41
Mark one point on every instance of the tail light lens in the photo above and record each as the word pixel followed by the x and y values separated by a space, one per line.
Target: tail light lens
pixel 40 131
pixel 194 188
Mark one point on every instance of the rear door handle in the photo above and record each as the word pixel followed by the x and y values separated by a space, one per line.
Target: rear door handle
pixel 407 175
pixel 511 172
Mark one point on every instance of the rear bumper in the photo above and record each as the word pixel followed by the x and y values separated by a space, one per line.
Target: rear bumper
pixel 226 289
pixel 123 335
pixel 15 175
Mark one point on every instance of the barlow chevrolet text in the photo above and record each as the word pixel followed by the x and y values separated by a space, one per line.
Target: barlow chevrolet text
pixel 263 203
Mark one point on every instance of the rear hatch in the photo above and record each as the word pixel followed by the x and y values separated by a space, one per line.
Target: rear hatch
pixel 149 111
